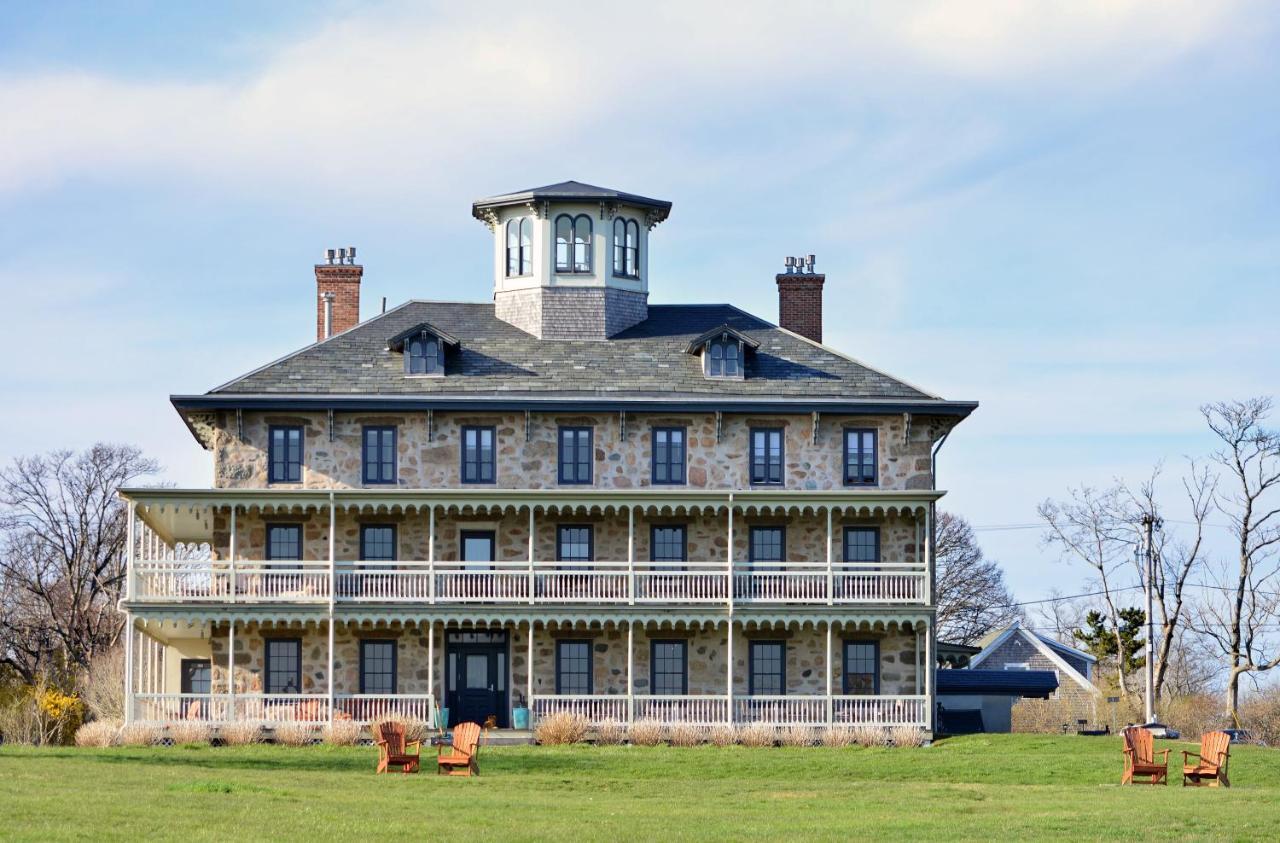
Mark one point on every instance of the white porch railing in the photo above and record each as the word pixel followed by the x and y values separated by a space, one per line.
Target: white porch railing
pixel 595 708
pixel 780 710
pixel 220 708
pixel 514 582
pixel 777 710
pixel 367 708
pixel 703 710
pixel 878 710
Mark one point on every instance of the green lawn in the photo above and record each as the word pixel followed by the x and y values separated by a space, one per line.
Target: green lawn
pixel 980 787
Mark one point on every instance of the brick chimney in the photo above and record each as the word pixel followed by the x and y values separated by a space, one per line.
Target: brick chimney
pixel 800 298
pixel 337 292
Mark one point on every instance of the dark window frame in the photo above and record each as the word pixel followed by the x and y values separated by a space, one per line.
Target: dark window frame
pixel 432 365
pixel 626 258
pixel 395 541
pixel 653 665
pixel 591 664
pixel 713 369
pixel 751 665
pixel 267 670
pixel 844 663
pixel 855 434
pixel 781 433
pixel 751 543
pixel 684 456
pixel 286 525
pixel 572 266
pixel 684 541
pixel 379 479
pixel 184 677
pixel 479 429
pixel 288 464
pixel 395 664
pixel 591 543
pixel 859 528
pixel 523 247
pixel 577 430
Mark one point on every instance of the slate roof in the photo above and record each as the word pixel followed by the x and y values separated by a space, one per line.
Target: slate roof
pixel 496 359
pixel 571 191
pixel 1025 683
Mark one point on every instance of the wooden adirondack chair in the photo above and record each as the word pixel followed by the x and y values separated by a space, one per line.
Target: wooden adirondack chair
pixel 392 749
pixel 1211 763
pixel 1139 758
pixel 463 755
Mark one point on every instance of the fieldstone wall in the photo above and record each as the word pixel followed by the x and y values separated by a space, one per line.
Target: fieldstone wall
pixel 621 462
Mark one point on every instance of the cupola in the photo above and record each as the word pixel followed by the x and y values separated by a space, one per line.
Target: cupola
pixel 571 260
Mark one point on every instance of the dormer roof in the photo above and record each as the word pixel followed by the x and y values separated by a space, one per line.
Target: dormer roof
pixel 397 342
pixel 725 331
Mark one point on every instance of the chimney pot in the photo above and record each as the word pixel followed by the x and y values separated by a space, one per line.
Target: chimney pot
pixel 338 289
pixel 800 297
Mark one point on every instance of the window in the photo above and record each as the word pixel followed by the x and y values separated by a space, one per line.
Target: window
pixel 668 456
pixel 767 544
pixel 379 455
pixel 283 666
pixel 862 667
pixel 1017 666
pixel 766 456
pixel 284 454
pixel 477 546
pixel 724 358
pixel 519 247
pixel 284 541
pixel 860 458
pixel 573 243
pixel 575 543
pixel 197 676
pixel 668 662
pixel 626 248
pixel 424 355
pixel 862 544
pixel 477 454
pixel 573 667
pixel 576 455
pixel 767 666
pixel 378 666
pixel 378 542
pixel 668 543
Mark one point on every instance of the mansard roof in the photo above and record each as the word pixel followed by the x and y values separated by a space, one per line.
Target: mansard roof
pixel 647 362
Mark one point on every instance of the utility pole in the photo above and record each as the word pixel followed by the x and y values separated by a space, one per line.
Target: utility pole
pixel 1150 523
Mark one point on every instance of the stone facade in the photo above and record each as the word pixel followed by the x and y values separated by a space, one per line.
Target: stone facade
pixel 571 313
pixel 432 459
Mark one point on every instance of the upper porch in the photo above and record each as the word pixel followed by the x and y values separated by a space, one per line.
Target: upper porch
pixel 530 547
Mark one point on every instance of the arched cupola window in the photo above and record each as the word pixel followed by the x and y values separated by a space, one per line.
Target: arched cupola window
pixel 424 348
pixel 519 247
pixel 573 243
pixel 626 248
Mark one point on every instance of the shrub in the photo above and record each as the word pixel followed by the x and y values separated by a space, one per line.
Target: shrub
pixel 562 727
pixel 611 732
pixel 797 736
pixel 414 729
pixel 240 733
pixel 906 736
pixel 1193 714
pixel 140 734
pixel 757 734
pixel 342 733
pixel 647 732
pixel 190 732
pixel 864 734
pixel 722 735
pixel 686 734
pixel 101 687
pixel 1261 716
pixel 294 734
pixel 838 736
pixel 98 733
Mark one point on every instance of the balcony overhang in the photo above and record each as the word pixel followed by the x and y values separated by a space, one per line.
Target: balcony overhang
pixel 187 515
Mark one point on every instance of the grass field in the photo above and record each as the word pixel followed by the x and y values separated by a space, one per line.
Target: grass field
pixel 978 787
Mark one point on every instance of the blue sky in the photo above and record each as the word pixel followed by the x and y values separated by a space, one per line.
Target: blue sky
pixel 1065 211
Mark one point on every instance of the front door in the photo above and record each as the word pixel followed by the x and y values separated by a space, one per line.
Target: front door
pixel 477 678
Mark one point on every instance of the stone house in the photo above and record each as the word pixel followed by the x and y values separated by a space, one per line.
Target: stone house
pixel 565 499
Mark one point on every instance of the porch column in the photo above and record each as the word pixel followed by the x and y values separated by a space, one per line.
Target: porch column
pixel 928 676
pixel 128 667
pixel 333 543
pixel 728 670
pixel 431 669
pixel 928 555
pixel 729 559
pixel 631 556
pixel 131 577
pixel 631 697
pixel 231 670
pixel 830 702
pixel 531 541
pixel 919 664
pixel 231 552
pixel 830 571
pixel 529 673
pixel 431 559
pixel 329 671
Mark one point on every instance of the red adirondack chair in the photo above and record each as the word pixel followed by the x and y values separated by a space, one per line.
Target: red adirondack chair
pixel 462 759
pixel 1139 758
pixel 1211 762
pixel 393 751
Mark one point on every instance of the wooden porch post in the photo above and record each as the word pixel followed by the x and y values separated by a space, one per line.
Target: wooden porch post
pixel 231 670
pixel 928 677
pixel 729 558
pixel 830 570
pixel 529 670
pixel 830 701
pixel 131 576
pixel 531 543
pixel 631 556
pixel 128 668
pixel 728 670
pixel 630 665
pixel 919 665
pixel 333 583
pixel 329 671
pixel 431 670
pixel 231 552
pixel 431 558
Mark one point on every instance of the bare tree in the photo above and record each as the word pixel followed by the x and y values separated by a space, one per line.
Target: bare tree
pixel 972 596
pixel 62 539
pixel 1241 608
pixel 1060 616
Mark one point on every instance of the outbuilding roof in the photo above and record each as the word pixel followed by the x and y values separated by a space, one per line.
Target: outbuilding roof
pixel 1022 683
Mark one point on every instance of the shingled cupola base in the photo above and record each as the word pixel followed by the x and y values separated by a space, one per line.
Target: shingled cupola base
pixel 800 303
pixel 343 281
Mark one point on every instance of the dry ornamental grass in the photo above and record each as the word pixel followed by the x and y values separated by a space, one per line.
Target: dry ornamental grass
pixel 647 733
pixel 797 736
pixel 722 735
pixel 294 734
pixel 140 734
pixel 342 733
pixel 611 732
pixel 241 733
pixel 98 733
pixel 757 735
pixel 686 734
pixel 837 736
pixel 190 732
pixel 561 728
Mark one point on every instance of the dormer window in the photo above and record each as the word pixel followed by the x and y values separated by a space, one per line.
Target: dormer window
pixel 724 351
pixel 519 247
pixel 573 243
pixel 424 349
pixel 626 248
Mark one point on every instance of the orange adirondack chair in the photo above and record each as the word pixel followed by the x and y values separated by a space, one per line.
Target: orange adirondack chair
pixel 1215 753
pixel 392 749
pixel 462 757
pixel 1139 758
